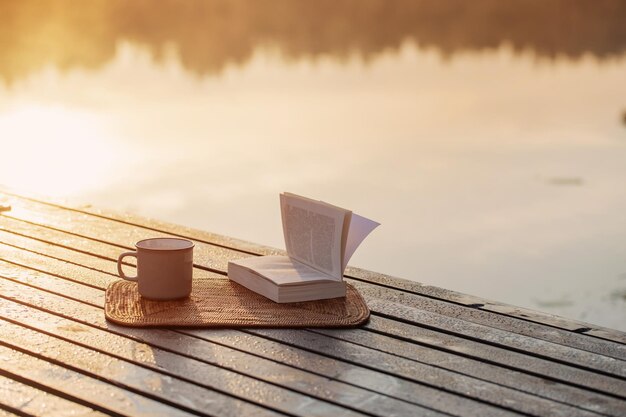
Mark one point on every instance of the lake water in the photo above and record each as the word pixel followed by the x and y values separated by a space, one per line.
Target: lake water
pixel 488 139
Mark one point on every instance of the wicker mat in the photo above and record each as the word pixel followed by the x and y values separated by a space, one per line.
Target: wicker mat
pixel 223 303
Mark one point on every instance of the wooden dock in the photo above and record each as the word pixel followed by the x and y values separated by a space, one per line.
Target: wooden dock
pixel 426 351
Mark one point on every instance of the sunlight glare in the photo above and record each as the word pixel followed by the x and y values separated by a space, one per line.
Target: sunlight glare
pixel 54 150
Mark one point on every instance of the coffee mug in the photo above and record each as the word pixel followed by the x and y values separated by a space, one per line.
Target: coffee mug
pixel 164 267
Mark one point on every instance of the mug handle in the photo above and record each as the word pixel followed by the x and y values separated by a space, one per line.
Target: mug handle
pixel 119 265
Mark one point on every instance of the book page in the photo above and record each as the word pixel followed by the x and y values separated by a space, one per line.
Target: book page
pixel 283 270
pixel 313 233
pixel 360 227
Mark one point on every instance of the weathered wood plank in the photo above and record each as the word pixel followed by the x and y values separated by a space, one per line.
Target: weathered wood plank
pixel 52 249
pixel 216 259
pixel 314 362
pixel 489 370
pixel 432 376
pixel 215 239
pixel 371 344
pixel 593 380
pixel 537 385
pixel 479 303
pixel 50 285
pixel 68 271
pixel 91 361
pixel 121 352
pixel 117 234
pixel 296 358
pixel 127 349
pixel 204 254
pixel 341 371
pixel 29 400
pixel 379 362
pixel 473 325
pixel 437 323
pixel 47 282
pixel 80 388
pixel 523 370
pixel 537 346
pixel 199 348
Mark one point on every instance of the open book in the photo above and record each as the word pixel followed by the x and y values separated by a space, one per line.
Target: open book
pixel 320 240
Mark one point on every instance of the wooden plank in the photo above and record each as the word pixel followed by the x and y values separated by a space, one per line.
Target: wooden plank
pixel 217 261
pixel 80 388
pixel 369 276
pixel 439 323
pixel 392 282
pixel 520 313
pixel 70 249
pixel 126 349
pixel 368 339
pixel 512 368
pixel 70 272
pixel 379 362
pixel 559 351
pixel 166 388
pixel 593 380
pixel 198 348
pixel 314 362
pixel 38 279
pixel 117 234
pixel 489 370
pixel 107 353
pixel 567 338
pixel 475 325
pixel 537 385
pixel 98 318
pixel 296 358
pixel 28 400
pixel 431 375
pixel 472 388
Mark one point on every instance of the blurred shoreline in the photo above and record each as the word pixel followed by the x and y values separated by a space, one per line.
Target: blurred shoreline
pixel 206 36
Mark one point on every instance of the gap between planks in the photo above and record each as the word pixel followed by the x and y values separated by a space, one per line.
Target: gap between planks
pixel 78 387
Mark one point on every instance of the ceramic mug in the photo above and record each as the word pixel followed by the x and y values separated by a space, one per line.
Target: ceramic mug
pixel 164 267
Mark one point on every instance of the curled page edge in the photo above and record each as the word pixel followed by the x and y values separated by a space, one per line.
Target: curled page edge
pixel 360 227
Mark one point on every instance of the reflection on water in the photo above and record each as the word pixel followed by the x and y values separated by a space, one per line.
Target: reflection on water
pixel 209 35
pixel 487 138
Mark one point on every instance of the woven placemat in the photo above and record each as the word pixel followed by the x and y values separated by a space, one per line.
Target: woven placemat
pixel 224 303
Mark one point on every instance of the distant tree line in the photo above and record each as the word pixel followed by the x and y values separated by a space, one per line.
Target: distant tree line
pixel 207 35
